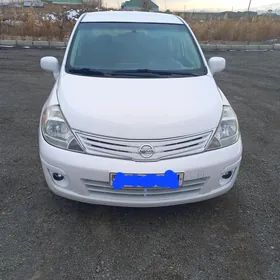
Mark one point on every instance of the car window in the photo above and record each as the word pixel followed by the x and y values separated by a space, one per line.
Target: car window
pixel 132 46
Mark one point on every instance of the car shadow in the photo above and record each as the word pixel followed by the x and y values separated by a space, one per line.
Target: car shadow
pixel 223 205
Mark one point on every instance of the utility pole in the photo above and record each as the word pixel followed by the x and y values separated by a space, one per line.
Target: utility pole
pixel 250 1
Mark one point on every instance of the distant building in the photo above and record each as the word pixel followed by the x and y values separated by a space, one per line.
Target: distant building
pixel 27 4
pixel 269 14
pixel 139 5
pixel 64 2
pixel 37 4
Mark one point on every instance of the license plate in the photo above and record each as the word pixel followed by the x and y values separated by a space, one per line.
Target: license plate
pixel 112 175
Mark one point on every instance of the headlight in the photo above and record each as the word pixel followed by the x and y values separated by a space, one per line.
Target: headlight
pixel 56 131
pixel 227 132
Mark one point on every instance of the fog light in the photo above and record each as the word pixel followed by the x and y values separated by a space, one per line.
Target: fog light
pixel 227 175
pixel 58 177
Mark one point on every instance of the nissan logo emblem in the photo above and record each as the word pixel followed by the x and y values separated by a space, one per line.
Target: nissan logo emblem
pixel 146 151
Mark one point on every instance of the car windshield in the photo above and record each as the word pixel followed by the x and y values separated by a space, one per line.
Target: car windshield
pixel 134 49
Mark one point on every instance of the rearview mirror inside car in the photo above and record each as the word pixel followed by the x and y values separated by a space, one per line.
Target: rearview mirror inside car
pixel 217 64
pixel 51 64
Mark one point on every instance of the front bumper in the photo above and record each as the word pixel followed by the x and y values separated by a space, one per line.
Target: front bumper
pixel 86 177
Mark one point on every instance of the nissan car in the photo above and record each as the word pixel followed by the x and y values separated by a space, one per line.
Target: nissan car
pixel 135 99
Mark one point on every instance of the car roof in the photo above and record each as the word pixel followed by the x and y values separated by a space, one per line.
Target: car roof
pixel 131 16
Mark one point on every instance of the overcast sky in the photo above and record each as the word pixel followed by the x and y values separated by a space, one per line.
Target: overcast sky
pixel 204 4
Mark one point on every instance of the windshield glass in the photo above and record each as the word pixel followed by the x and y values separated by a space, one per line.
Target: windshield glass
pixel 138 49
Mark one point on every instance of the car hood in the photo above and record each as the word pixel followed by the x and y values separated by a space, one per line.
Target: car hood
pixel 137 108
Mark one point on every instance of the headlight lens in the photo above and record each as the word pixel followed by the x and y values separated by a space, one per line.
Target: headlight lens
pixel 228 130
pixel 56 131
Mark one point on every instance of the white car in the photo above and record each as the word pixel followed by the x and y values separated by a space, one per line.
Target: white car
pixel 135 117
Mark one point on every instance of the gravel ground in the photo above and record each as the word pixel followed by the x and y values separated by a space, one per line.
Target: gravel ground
pixel 235 236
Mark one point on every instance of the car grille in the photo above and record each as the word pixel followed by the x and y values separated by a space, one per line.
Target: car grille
pixel 98 188
pixel 129 149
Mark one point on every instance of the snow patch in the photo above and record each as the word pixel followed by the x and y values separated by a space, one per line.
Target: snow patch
pixel 49 17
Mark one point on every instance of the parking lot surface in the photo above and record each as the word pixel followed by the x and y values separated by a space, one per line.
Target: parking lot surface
pixel 235 236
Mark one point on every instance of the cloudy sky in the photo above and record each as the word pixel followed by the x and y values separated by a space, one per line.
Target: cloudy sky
pixel 204 4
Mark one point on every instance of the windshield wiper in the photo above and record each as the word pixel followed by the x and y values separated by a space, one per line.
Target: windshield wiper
pixel 156 73
pixel 88 72
pixel 168 73
pixel 130 73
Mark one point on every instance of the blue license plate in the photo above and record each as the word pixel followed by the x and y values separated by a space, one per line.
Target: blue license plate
pixel 169 179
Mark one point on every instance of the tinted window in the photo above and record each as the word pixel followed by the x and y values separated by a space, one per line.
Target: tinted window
pixel 132 46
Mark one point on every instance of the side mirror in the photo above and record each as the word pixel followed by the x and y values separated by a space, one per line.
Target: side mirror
pixel 50 64
pixel 217 64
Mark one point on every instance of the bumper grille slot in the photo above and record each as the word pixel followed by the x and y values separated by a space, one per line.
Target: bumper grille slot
pixel 183 142
pixel 177 149
pixel 109 149
pixel 103 142
pixel 103 188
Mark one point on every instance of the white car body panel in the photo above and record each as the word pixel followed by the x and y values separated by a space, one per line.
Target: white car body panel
pixel 152 106
pixel 78 168
pixel 133 16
